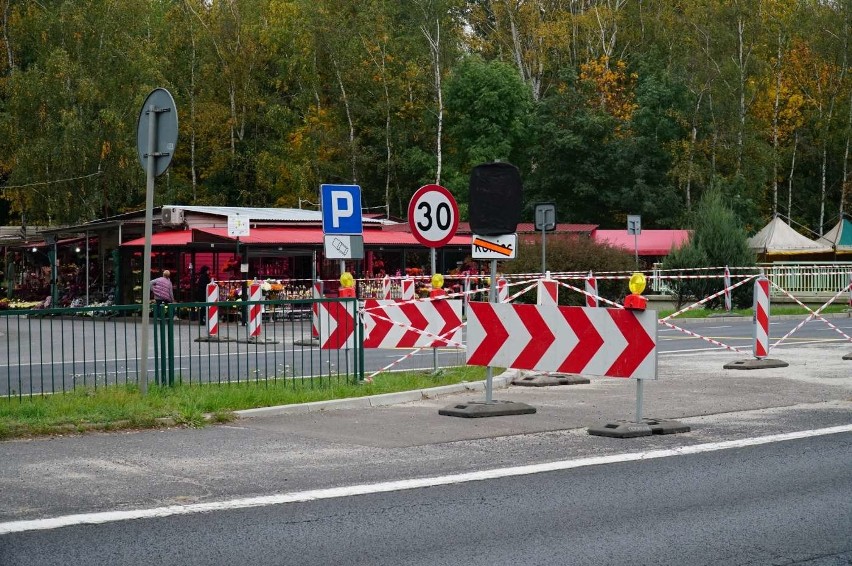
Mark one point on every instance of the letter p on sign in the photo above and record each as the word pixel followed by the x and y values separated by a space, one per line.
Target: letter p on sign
pixel 341 209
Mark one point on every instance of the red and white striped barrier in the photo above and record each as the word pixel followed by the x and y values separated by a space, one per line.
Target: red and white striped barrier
pixel 392 324
pixel 316 292
pixel 548 291
pixel 255 311
pixel 594 341
pixel 761 317
pixel 727 289
pixel 386 288
pixel 407 289
pixel 591 291
pixel 212 293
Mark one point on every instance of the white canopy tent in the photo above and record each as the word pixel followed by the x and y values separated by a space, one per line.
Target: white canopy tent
pixel 777 238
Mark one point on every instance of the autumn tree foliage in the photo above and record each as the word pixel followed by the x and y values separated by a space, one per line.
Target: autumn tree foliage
pixel 608 107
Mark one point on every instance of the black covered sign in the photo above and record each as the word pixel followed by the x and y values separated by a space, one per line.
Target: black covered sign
pixel 496 199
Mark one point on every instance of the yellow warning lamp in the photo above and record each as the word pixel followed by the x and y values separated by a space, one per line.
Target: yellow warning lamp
pixel 437 284
pixel 347 286
pixel 635 300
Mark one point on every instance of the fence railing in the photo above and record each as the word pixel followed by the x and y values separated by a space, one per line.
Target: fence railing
pixel 50 351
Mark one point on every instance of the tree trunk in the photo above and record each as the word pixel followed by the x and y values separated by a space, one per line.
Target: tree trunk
pixel 790 178
pixel 349 120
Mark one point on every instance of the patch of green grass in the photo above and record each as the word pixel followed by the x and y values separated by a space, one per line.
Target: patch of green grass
pixel 123 407
pixel 774 310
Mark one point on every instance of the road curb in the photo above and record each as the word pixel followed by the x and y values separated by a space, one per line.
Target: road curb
pixel 384 400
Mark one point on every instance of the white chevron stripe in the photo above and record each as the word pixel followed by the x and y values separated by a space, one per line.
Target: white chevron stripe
pixel 564 344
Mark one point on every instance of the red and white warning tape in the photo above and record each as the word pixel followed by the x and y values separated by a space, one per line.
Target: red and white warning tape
pixel 415 330
pixel 710 298
pixel 814 314
pixel 705 338
pixel 369 379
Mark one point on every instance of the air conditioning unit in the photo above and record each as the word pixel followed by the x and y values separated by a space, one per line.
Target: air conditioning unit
pixel 173 216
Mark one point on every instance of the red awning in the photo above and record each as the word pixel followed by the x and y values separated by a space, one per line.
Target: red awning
pixel 650 242
pixel 172 238
pixel 312 235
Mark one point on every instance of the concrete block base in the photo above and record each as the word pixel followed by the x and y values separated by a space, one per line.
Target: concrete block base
pixel 256 340
pixel 848 357
pixel 549 379
pixel 214 339
pixel 479 409
pixel 631 429
pixel 764 363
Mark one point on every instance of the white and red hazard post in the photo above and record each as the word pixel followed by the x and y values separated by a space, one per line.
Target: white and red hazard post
pixel 727 289
pixel 408 289
pixel 212 294
pixel 548 291
pixel 502 290
pixel 316 293
pixel 386 288
pixel 591 290
pixel 255 311
pixel 850 288
pixel 761 317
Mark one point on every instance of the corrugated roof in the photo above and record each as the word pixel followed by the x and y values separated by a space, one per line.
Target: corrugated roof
pixel 268 214
pixel 648 242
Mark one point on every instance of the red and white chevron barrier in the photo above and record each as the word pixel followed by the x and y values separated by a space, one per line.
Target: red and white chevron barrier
pixel 412 324
pixel 255 311
pixel 594 341
pixel 337 324
pixel 761 317
pixel 591 291
pixel 212 293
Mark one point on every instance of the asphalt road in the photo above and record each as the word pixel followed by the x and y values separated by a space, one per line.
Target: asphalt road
pixel 779 503
pixel 50 354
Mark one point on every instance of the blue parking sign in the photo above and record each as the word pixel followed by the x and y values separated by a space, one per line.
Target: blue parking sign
pixel 341 209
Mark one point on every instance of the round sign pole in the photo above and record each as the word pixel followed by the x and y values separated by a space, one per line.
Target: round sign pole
pixel 155 140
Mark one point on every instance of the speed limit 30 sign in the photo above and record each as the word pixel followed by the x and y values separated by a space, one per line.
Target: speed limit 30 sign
pixel 433 216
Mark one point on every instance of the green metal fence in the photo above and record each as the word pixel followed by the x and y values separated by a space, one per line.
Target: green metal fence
pixel 52 351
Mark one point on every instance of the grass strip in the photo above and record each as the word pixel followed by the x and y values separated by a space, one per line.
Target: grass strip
pixel 123 407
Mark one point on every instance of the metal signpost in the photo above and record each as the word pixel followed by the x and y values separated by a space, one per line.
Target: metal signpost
pixel 156 137
pixel 545 220
pixel 634 226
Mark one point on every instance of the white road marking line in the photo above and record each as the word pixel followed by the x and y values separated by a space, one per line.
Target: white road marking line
pixel 401 485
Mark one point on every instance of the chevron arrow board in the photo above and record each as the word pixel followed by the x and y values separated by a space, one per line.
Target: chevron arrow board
pixel 591 341
pixel 336 322
pixel 436 318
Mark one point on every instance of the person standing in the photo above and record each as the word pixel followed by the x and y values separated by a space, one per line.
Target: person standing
pixel 162 289
pixel 201 292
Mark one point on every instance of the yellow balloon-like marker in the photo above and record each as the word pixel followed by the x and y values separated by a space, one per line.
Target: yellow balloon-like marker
pixel 637 283
pixel 635 300
pixel 346 280
pixel 437 281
